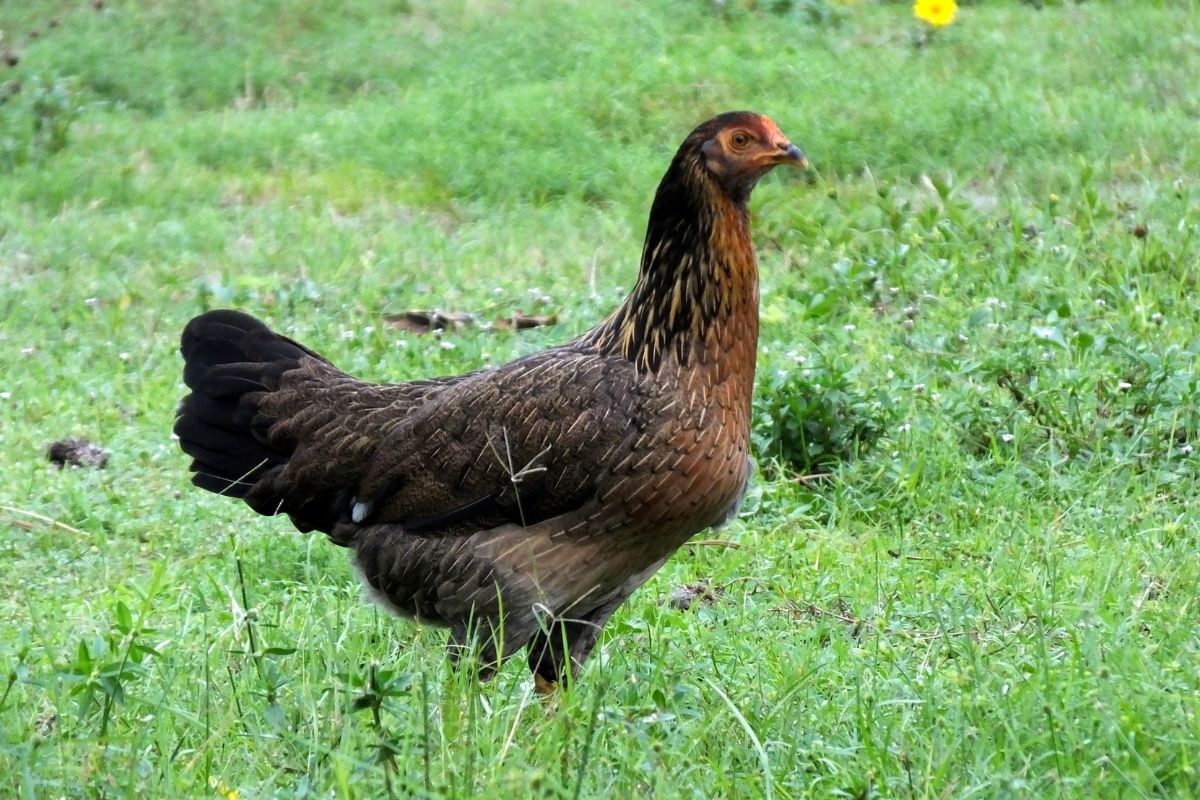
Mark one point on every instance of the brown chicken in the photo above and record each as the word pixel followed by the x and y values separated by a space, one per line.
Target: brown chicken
pixel 518 505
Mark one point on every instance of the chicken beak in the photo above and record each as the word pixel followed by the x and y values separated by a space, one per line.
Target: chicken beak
pixel 790 154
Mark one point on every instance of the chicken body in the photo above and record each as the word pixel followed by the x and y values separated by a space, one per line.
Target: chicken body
pixel 519 505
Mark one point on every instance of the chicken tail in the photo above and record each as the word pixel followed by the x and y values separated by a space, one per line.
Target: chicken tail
pixel 232 362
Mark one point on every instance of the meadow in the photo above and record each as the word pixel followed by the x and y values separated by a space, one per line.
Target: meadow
pixel 970 561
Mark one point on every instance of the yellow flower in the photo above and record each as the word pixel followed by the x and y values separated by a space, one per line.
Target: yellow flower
pixel 938 13
pixel 224 791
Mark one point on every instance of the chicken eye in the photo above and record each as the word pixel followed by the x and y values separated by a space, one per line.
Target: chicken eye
pixel 740 140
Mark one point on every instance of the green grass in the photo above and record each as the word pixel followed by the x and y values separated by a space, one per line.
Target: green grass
pixel 996 598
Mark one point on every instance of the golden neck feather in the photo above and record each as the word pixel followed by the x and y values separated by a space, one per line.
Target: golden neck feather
pixel 697 291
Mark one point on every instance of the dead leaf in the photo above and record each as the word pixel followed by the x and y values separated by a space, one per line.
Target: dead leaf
pixel 422 322
pixel 520 321
pixel 685 596
pixel 76 453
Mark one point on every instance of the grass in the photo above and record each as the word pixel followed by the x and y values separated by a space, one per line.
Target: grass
pixel 979 316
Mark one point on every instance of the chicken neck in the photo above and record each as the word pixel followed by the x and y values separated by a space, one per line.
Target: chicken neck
pixel 696 297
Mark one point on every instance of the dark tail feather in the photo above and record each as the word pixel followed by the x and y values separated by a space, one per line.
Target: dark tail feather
pixel 230 361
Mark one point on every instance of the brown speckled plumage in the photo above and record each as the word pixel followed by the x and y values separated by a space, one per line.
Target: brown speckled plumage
pixel 540 493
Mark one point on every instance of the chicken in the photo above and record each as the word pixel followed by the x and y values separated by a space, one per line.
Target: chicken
pixel 520 505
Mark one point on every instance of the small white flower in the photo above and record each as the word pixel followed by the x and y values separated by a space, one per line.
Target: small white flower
pixel 401 343
pixel 962 338
pixel 894 290
pixel 1186 449
pixel 28 351
pixel 1156 318
pixel 1006 437
pixel 347 335
pixel 123 356
pixel 447 345
pixel 91 301
pixel 889 357
pixel 918 388
pixel 908 324
pixel 5 395
pixel 1100 302
pixel 890 374
pixel 781 373
pixel 849 328
pixel 905 428
pixel 1124 386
